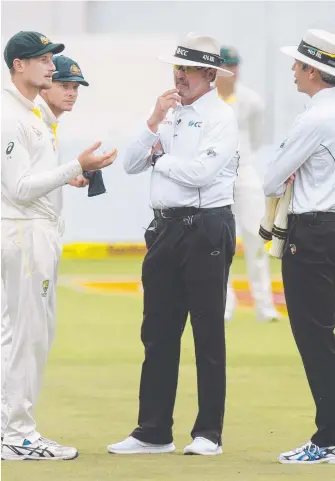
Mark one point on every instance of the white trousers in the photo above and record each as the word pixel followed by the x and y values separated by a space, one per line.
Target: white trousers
pixel 30 254
pixel 249 208
pixel 6 342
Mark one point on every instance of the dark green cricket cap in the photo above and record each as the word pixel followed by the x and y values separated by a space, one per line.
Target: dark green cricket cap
pixel 230 55
pixel 28 45
pixel 67 70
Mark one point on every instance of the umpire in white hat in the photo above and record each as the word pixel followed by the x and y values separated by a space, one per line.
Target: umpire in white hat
pixel 307 159
pixel 191 242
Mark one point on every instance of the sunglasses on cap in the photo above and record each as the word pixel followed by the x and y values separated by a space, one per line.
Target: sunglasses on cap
pixel 187 69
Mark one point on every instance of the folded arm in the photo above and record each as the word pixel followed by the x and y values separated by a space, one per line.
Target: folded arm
pixel 302 142
pixel 217 146
pixel 136 157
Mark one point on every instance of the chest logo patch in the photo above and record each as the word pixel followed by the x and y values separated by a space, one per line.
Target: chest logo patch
pixel 37 132
pixel 10 147
pixel 192 123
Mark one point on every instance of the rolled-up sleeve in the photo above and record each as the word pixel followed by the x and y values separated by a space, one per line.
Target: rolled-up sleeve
pixel 24 186
pixel 217 146
pixel 302 141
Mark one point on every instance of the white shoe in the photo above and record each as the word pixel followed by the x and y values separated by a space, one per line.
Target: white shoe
pixel 42 449
pixel 203 446
pixel 309 454
pixel 133 446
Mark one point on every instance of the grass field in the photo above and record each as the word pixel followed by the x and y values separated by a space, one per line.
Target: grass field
pixel 90 394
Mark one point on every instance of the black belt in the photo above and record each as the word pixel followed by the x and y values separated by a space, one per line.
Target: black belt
pixel 314 217
pixel 175 212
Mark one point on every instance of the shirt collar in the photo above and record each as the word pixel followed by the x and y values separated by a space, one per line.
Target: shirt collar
pixel 202 104
pixel 324 94
pixel 47 114
pixel 12 90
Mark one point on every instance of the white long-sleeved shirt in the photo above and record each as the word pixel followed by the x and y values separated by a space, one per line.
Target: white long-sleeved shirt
pixel 200 161
pixel 249 110
pixel 31 175
pixel 309 152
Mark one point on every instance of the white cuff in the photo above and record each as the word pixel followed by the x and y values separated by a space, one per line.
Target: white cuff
pixel 147 137
pixel 163 164
pixel 71 170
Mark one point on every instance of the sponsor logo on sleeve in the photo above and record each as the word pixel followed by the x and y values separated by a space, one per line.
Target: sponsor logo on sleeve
pixel 211 153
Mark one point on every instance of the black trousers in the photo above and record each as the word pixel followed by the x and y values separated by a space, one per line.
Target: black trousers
pixel 308 269
pixel 185 271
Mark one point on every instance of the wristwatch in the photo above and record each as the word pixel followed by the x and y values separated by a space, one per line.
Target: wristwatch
pixel 155 156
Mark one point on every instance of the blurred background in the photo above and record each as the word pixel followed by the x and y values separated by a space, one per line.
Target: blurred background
pixel 116 44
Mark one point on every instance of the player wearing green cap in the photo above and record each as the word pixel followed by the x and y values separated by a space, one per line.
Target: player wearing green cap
pixel 60 98
pixel 248 196
pixel 31 204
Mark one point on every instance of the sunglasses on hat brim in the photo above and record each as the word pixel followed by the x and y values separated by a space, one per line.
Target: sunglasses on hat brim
pixel 188 69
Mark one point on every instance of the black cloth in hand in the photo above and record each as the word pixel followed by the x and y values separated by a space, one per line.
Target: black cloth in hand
pixel 96 185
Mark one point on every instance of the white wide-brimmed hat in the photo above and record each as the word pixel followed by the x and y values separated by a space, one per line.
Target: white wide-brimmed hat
pixel 198 51
pixel 317 48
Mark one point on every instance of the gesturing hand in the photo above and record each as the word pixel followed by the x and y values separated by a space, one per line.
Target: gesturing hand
pixel 89 161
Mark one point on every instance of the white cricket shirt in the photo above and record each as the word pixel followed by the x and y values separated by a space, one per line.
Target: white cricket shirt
pixel 200 162
pixel 308 151
pixel 31 175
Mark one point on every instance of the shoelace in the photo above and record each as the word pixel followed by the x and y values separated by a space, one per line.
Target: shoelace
pixel 48 442
pixel 302 448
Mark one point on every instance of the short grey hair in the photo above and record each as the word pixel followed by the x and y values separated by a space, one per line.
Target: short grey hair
pixel 327 78
pixel 205 69
pixel 214 76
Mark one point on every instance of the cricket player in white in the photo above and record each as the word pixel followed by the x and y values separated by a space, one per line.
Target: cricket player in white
pixel 248 194
pixel 61 97
pixel 31 201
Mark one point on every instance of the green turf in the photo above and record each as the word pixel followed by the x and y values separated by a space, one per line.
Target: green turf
pixel 90 395
pixel 132 265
